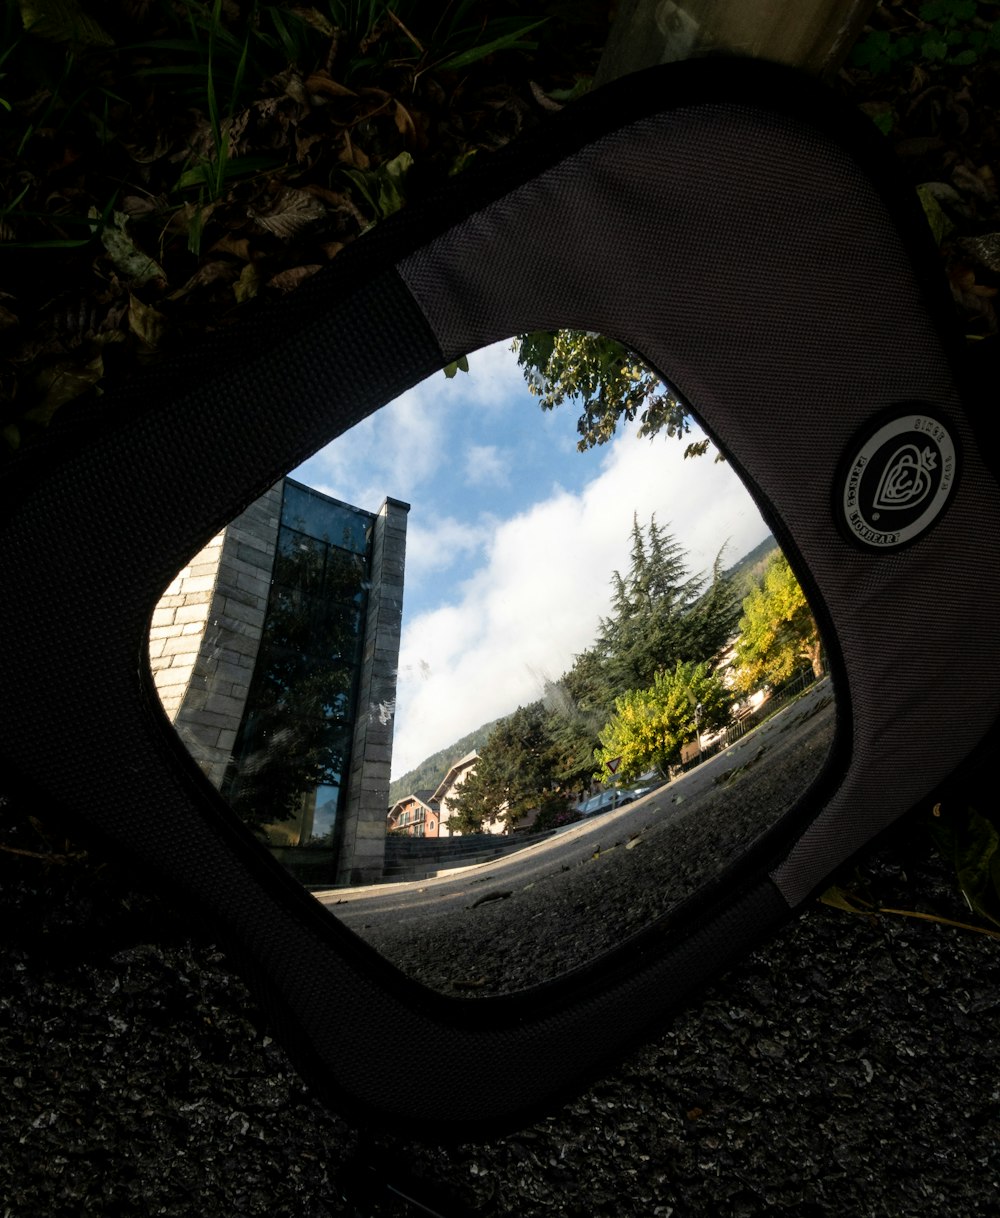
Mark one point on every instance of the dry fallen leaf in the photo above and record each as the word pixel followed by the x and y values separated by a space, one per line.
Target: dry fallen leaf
pixel 286 281
pixel 246 287
pixel 323 83
pixel 219 270
pixel 290 213
pixel 145 322
pixel 985 249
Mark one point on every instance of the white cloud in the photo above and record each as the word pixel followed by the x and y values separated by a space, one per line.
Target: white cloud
pixel 515 598
pixel 486 464
pixel 437 546
pixel 391 452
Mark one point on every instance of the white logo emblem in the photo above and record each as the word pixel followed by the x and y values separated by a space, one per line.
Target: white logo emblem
pixel 899 479
pixel 907 480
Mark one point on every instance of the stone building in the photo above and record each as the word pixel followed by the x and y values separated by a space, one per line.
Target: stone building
pixel 274 653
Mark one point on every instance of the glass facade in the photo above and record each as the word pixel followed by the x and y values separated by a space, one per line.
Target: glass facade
pixel 292 754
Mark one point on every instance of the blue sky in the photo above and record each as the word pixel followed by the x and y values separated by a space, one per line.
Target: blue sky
pixel 512 536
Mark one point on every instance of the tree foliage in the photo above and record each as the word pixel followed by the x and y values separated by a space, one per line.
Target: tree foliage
pixel 649 726
pixel 660 614
pixel 610 382
pixel 576 710
pixel 663 622
pixel 778 632
pixel 517 766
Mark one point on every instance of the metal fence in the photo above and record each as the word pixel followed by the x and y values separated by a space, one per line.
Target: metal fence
pixel 746 723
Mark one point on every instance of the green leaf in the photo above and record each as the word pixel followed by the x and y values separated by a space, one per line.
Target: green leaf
pixel 459 365
pixel 583 85
pixel 248 284
pixel 63 21
pixel 195 69
pixel 313 17
pixel 972 843
pixel 391 179
pixel 934 48
pixel 207 173
pixel 61 383
pixel 941 226
pixel 849 902
pixel 881 114
pixel 462 161
pixel 383 188
pixel 508 42
pixel 873 52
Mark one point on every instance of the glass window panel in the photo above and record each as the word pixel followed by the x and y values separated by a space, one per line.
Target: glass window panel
pixel 325 519
pixel 300 562
pixel 346 577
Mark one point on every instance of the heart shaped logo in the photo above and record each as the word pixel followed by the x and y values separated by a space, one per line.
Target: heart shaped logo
pixel 906 480
pixel 897 478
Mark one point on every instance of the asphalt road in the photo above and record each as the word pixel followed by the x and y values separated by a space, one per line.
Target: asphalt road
pixel 598 880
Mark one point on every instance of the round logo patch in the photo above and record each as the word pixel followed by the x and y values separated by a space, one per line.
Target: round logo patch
pixel 899 475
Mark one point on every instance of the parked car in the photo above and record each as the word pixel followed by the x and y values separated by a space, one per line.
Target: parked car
pixel 652 780
pixel 604 801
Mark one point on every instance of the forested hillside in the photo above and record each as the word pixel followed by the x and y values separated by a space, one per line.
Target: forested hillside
pixel 432 769
pixel 750 567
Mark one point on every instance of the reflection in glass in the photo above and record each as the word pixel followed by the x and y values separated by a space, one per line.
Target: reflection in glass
pixel 257 649
pixel 585 712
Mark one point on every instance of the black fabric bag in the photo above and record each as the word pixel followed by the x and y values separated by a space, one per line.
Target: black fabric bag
pixel 747 235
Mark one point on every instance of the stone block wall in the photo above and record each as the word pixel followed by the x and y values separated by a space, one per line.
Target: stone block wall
pixel 205 662
pixel 178 625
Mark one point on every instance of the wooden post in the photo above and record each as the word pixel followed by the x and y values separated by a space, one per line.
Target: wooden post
pixel 815 35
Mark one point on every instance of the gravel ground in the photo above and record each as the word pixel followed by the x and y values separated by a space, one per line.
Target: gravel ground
pixel 849 1067
pixel 564 918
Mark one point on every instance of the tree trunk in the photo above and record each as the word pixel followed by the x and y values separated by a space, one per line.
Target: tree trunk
pixel 815 35
pixel 814 654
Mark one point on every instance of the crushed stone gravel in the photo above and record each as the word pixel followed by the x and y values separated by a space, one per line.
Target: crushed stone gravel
pixel 849 1067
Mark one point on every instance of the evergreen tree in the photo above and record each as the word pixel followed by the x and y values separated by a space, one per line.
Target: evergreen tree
pixel 649 628
pixel 659 618
pixel 714 620
pixel 577 706
pixel 516 769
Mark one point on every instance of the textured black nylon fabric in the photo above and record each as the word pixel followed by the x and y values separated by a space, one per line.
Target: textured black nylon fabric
pixel 751 261
pixel 321 985
pixel 774 269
